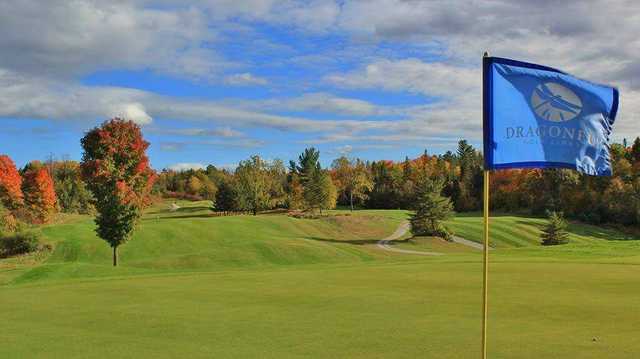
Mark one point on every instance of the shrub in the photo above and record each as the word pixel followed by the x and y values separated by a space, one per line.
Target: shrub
pixel 19 243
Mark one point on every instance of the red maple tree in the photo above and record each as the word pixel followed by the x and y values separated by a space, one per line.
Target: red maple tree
pixel 10 184
pixel 116 169
pixel 39 193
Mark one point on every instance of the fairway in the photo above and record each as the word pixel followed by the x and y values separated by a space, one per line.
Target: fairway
pixel 194 285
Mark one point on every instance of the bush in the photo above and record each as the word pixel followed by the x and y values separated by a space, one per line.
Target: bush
pixel 19 243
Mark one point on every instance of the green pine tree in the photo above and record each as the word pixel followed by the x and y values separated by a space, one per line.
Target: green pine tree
pixel 431 208
pixel 556 230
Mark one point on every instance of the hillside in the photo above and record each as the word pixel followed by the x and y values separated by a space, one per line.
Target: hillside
pixel 192 239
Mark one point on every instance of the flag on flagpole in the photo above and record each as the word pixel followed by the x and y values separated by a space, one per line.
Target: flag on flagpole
pixel 539 117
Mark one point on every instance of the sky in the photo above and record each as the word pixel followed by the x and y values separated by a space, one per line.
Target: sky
pixel 214 82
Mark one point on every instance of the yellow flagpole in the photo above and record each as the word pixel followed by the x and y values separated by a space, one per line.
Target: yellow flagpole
pixel 485 247
pixel 485 274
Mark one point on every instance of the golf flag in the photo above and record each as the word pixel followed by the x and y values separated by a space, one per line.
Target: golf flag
pixel 539 117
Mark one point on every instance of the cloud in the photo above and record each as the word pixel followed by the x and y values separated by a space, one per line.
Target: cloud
pixel 327 103
pixel 428 48
pixel 245 79
pixel 134 112
pixel 172 146
pixel 185 166
pixel 578 37
pixel 412 75
pixel 71 38
pixel 23 96
pixel 225 132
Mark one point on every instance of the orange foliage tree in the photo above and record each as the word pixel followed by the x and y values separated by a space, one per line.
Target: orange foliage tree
pixel 116 169
pixel 39 193
pixel 10 184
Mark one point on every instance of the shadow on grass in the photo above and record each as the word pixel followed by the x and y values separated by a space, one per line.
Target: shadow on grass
pixel 182 210
pixel 209 215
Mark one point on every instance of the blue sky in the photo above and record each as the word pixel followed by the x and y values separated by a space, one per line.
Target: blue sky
pixel 217 81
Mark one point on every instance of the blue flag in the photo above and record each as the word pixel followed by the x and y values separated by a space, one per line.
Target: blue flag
pixel 539 117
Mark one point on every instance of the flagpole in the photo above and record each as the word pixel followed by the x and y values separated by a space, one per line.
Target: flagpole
pixel 485 247
pixel 485 274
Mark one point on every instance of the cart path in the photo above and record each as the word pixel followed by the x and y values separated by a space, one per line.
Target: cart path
pixel 404 228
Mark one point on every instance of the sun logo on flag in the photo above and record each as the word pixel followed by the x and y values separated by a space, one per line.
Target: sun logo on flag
pixel 554 102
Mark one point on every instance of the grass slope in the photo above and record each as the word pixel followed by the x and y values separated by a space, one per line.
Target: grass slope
pixel 191 240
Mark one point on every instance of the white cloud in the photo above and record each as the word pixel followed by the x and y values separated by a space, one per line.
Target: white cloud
pixel 317 102
pixel 412 75
pixel 245 79
pixel 185 166
pixel 70 38
pixel 134 112
pixel 327 103
pixel 224 132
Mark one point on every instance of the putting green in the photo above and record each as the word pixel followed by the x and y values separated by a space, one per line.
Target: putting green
pixel 272 286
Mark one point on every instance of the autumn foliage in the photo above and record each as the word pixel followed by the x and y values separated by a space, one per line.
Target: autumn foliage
pixel 39 193
pixel 10 184
pixel 116 169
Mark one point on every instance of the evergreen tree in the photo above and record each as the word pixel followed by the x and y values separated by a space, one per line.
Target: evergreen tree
pixel 308 163
pixel 556 230
pixel 431 209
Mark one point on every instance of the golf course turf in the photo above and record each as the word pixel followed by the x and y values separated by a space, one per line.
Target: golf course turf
pixel 193 285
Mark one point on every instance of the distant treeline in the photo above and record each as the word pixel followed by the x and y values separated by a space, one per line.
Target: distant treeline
pixel 38 190
pixel 393 184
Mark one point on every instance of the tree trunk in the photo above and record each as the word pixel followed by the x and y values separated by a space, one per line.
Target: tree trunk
pixel 351 199
pixel 115 256
pixel 255 212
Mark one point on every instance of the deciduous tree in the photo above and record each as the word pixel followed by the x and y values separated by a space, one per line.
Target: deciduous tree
pixel 39 193
pixel 353 179
pixel 319 191
pixel 10 184
pixel 253 185
pixel 116 169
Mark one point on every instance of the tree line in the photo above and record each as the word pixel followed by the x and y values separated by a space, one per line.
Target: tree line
pixel 258 185
pixel 40 189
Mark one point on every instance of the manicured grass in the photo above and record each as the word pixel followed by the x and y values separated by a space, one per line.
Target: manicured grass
pixel 426 309
pixel 432 244
pixel 192 285
pixel 507 231
pixel 191 240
